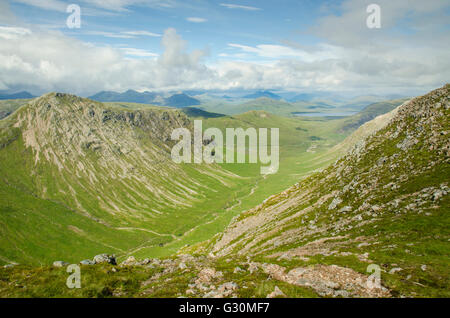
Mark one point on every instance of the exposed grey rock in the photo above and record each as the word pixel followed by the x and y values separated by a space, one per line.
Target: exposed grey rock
pixel 408 142
pixel 227 286
pixel 238 270
pixel 87 262
pixel 252 267
pixel 336 201
pixel 276 293
pixel 105 258
pixel 130 261
pixel 381 161
pixel 395 270
pixel 342 293
pixel 60 264
pixel 145 261
pixel 376 208
pixel 346 208
pixel 182 266
pixel 437 195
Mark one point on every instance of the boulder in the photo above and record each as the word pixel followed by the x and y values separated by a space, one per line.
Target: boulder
pixel 87 262
pixel 395 270
pixel 182 266
pixel 238 270
pixel 130 261
pixel 227 286
pixel 105 258
pixel 207 274
pixel 59 264
pixel 276 293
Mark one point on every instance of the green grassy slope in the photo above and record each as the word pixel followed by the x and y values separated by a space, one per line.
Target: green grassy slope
pixel 301 152
pixel 276 107
pixel 385 203
pixel 109 167
pixel 369 113
pixel 9 106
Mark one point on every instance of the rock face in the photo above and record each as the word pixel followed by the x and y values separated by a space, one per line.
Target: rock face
pixel 103 145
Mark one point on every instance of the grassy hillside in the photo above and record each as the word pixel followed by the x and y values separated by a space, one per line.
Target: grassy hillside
pixel 109 165
pixel 7 107
pixel 276 107
pixel 304 146
pixel 384 205
pixel 110 169
pixel 369 113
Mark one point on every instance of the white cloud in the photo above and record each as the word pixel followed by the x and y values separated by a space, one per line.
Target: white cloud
pixel 65 64
pixel 402 23
pixel 123 34
pixel 111 34
pixel 196 20
pixel 279 52
pixel 237 6
pixel 52 5
pixel 138 52
pixel 142 33
pixel 9 33
pixel 123 5
pixel 98 7
pixel 349 58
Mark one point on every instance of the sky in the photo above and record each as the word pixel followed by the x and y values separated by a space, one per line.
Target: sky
pixel 170 45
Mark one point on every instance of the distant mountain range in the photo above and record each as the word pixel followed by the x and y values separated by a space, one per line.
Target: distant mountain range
pixel 181 100
pixel 260 94
pixel 178 100
pixel 130 96
pixel 19 95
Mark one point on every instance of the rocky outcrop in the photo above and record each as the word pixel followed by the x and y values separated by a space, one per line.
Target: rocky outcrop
pixel 105 258
pixel 328 281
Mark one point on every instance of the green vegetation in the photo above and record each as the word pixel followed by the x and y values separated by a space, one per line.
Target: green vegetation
pixel 385 203
pixel 70 184
pixel 9 106
pixel 276 107
pixel 61 170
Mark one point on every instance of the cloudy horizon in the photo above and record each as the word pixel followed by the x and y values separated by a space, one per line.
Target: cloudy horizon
pixel 155 45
